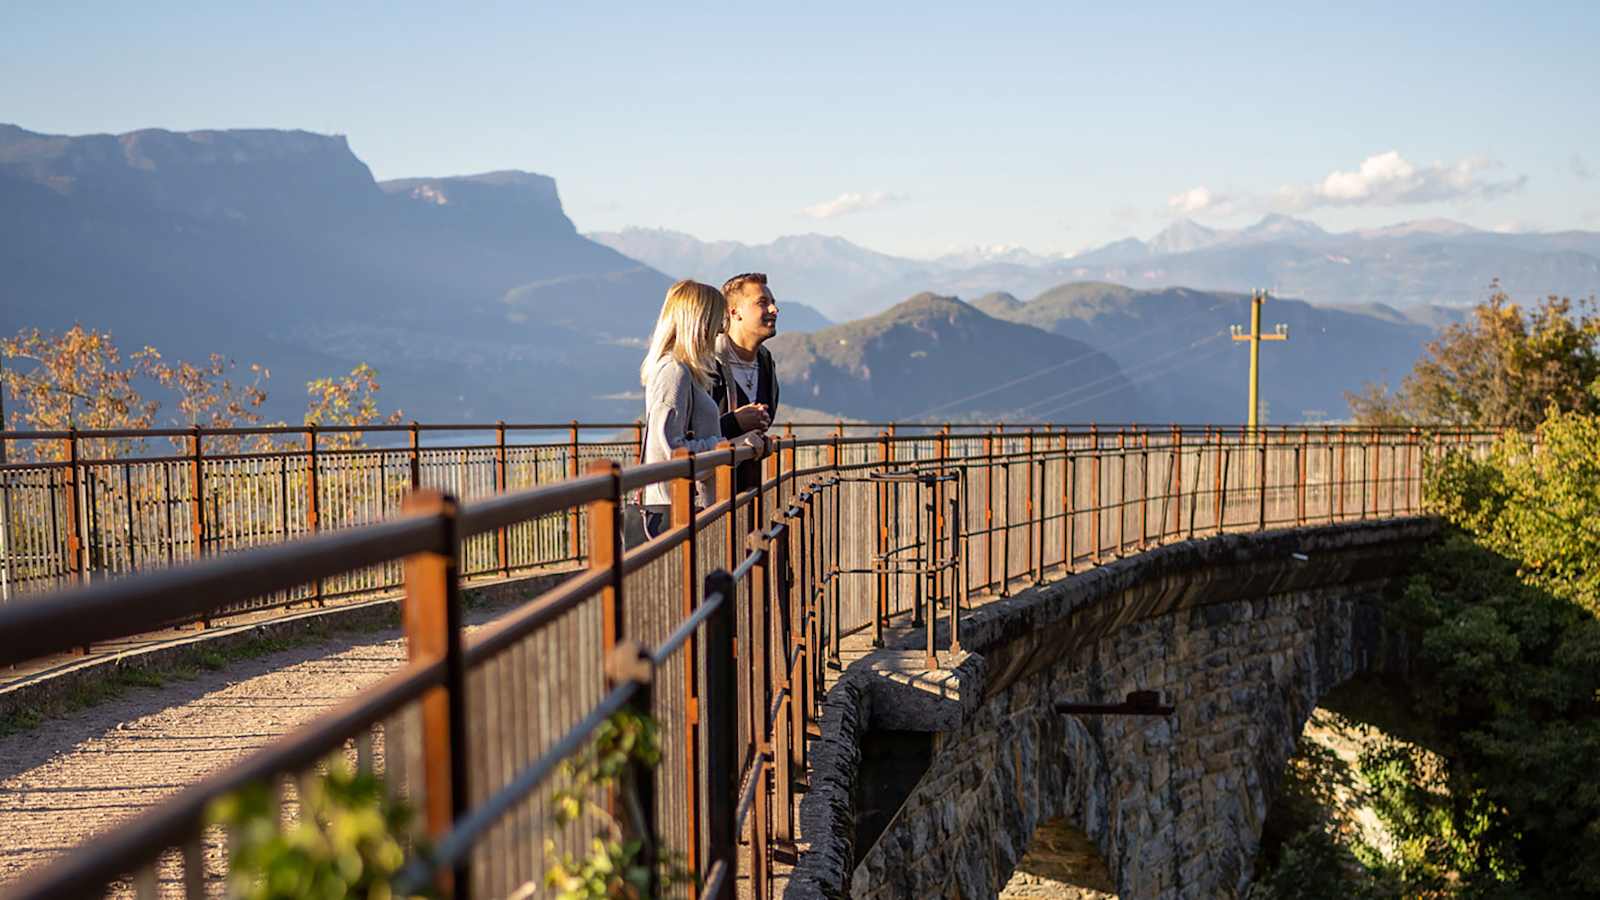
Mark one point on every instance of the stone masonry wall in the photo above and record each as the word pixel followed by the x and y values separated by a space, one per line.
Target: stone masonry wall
pixel 1242 639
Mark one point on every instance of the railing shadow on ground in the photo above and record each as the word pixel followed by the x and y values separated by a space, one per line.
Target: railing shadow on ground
pixel 720 632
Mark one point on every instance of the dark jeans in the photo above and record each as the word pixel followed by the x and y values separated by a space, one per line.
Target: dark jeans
pixel 654 524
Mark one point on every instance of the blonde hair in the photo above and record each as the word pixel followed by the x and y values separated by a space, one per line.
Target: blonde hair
pixel 687 328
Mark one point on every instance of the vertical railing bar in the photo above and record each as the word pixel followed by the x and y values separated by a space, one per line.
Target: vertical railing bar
pixel 432 619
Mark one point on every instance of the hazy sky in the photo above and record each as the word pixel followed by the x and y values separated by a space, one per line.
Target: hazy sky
pixel 913 128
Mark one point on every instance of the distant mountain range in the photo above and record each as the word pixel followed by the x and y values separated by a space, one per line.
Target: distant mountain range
pixel 1174 346
pixel 1429 263
pixel 477 299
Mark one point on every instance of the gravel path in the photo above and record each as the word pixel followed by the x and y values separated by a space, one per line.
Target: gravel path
pixel 73 776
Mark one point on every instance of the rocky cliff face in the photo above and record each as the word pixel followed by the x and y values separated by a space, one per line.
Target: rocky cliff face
pixel 473 296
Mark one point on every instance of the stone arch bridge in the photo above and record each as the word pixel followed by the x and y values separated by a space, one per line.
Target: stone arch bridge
pixel 1241 634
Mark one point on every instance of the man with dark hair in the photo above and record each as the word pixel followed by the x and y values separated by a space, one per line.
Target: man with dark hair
pixel 745 385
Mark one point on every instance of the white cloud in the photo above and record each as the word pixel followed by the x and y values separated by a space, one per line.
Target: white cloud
pixel 1580 167
pixel 851 202
pixel 1196 200
pixel 1389 179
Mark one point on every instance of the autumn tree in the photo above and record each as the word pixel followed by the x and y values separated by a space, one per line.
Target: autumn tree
pixel 79 379
pixel 76 379
pixel 1503 366
pixel 348 400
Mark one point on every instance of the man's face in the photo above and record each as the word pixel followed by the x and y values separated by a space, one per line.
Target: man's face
pixel 754 313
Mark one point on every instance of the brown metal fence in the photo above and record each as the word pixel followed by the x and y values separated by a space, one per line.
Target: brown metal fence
pixel 102 505
pixel 721 628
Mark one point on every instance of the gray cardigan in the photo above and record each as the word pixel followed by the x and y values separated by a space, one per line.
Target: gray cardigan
pixel 673 405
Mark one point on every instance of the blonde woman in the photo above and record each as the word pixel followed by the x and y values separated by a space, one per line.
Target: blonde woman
pixel 677 373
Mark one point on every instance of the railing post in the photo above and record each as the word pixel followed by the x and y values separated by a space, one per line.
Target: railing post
pixel 197 474
pixel 759 665
pixel 638 439
pixel 625 659
pixel 1068 517
pixel 605 550
pixel 780 619
pixel 1122 491
pixel 431 611
pixel 1144 488
pixel 414 456
pixel 988 511
pixel 931 590
pixel 1218 495
pixel 958 596
pixel 1413 473
pixel 733 542
pixel 1004 588
pixel 721 720
pixel 1094 493
pixel 75 543
pixel 1343 468
pixel 573 526
pixel 1378 474
pixel 832 541
pixel 1177 484
pixel 683 516
pixel 1261 479
pixel 1034 510
pixel 501 543
pixel 881 535
pixel 197 487
pixel 1300 454
pixel 313 503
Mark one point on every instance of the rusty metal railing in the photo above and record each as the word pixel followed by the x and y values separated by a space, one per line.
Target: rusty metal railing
pixel 94 505
pixel 722 627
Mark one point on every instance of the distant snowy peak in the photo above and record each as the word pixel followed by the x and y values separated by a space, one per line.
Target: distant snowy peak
pixel 1275 227
pixel 1184 236
pixel 1008 254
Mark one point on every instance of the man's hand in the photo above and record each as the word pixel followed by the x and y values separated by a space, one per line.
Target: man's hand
pixel 753 417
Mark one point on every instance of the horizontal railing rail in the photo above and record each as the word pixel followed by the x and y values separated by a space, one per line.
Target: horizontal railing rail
pixel 721 629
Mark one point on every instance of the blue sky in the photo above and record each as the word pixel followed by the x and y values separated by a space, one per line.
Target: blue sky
pixel 913 128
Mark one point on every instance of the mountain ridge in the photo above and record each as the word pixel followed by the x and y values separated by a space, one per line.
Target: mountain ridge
pixel 932 354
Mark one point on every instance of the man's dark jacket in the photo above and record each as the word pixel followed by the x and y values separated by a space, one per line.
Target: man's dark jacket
pixel 730 396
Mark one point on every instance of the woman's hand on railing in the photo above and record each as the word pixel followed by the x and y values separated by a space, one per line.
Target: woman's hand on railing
pixel 757 440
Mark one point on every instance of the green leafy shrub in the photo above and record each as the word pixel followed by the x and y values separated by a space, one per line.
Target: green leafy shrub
pixel 349 840
pixel 617 865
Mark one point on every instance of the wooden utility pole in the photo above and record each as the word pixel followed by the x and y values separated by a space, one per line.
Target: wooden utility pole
pixel 1255 337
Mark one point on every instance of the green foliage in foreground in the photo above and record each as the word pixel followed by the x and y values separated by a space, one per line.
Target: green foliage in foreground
pixel 348 840
pixel 617 864
pixel 1506 681
pixel 1539 508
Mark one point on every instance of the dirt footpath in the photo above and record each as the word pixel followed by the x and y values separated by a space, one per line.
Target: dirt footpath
pixel 77 774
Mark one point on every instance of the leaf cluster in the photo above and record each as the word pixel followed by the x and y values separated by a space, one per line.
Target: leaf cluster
pixel 618 864
pixel 1503 366
pixel 348 841
pixel 79 379
pixel 1512 671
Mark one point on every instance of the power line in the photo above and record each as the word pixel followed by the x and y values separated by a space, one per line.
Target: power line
pixel 1054 366
pixel 1118 374
pixel 1181 364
